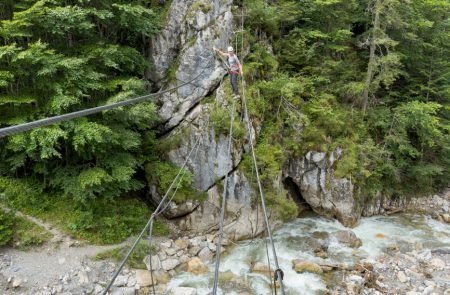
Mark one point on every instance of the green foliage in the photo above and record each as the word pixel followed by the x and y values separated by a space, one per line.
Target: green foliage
pixel 322 51
pixel 100 220
pixel 27 234
pixel 6 227
pixel 220 121
pixel 271 18
pixel 20 233
pixel 199 5
pixel 260 63
pixel 270 158
pixel 284 208
pixel 136 18
pixel 58 57
pixel 415 147
pixel 136 259
pixel 20 193
pixel 163 173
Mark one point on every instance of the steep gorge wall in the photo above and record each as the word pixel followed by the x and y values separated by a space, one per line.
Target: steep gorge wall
pixel 182 51
pixel 327 195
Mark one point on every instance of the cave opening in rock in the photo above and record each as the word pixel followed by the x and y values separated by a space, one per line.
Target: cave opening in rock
pixel 296 195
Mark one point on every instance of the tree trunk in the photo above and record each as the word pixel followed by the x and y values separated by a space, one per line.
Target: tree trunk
pixel 371 64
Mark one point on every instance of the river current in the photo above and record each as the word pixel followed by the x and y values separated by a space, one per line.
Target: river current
pixel 293 241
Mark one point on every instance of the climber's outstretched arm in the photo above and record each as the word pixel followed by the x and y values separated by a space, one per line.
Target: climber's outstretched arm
pixel 221 52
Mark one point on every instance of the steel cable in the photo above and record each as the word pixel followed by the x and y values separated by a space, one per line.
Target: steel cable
pixel 222 211
pixel 8 131
pixel 278 272
pixel 150 221
pixel 165 207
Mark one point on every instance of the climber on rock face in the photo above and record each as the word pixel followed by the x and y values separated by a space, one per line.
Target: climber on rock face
pixel 235 68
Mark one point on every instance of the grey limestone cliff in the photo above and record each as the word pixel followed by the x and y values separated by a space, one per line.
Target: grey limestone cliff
pixel 182 51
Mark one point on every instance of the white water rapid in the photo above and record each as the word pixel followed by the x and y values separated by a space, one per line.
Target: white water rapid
pixel 294 240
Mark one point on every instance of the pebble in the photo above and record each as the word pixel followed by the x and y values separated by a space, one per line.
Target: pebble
pixel 205 254
pixel 181 243
pixel 166 244
pixel 428 290
pixel 131 281
pixel 402 277
pixel 170 251
pixel 437 263
pixel 170 264
pixel 121 281
pixel 183 291
pixel 429 283
pixel 66 279
pixel 212 247
pixel 123 291
pixel 83 278
pixel 16 282
pixel 143 278
pixel 156 262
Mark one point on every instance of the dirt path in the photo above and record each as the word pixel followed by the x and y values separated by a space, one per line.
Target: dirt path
pixel 58 237
pixel 63 260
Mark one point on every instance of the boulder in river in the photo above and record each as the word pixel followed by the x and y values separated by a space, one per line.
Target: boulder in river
pixel 143 278
pixel 196 266
pixel 230 281
pixel 261 268
pixel 321 235
pixel 161 277
pixel 205 254
pixel 301 266
pixel 155 262
pixel 321 254
pixel 183 291
pixel 170 264
pixel 348 238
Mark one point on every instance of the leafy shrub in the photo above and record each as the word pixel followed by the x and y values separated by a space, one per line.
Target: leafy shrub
pixel 75 57
pixel 199 5
pixel 136 259
pixel 6 227
pixel 283 208
pixel 163 173
pixel 28 234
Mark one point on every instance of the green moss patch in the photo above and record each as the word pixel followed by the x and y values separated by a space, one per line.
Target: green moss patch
pixel 136 258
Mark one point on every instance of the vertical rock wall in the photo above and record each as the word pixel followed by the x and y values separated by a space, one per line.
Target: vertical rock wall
pixel 326 195
pixel 183 50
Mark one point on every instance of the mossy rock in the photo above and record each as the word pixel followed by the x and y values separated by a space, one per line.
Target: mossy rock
pixel 348 238
pixel 301 266
pixel 321 254
pixel 230 281
pixel 261 268
pixel 196 266
pixel 321 235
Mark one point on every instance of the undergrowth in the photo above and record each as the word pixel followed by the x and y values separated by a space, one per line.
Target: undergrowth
pixel 101 221
pixel 21 233
pixel 136 258
pixel 28 234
